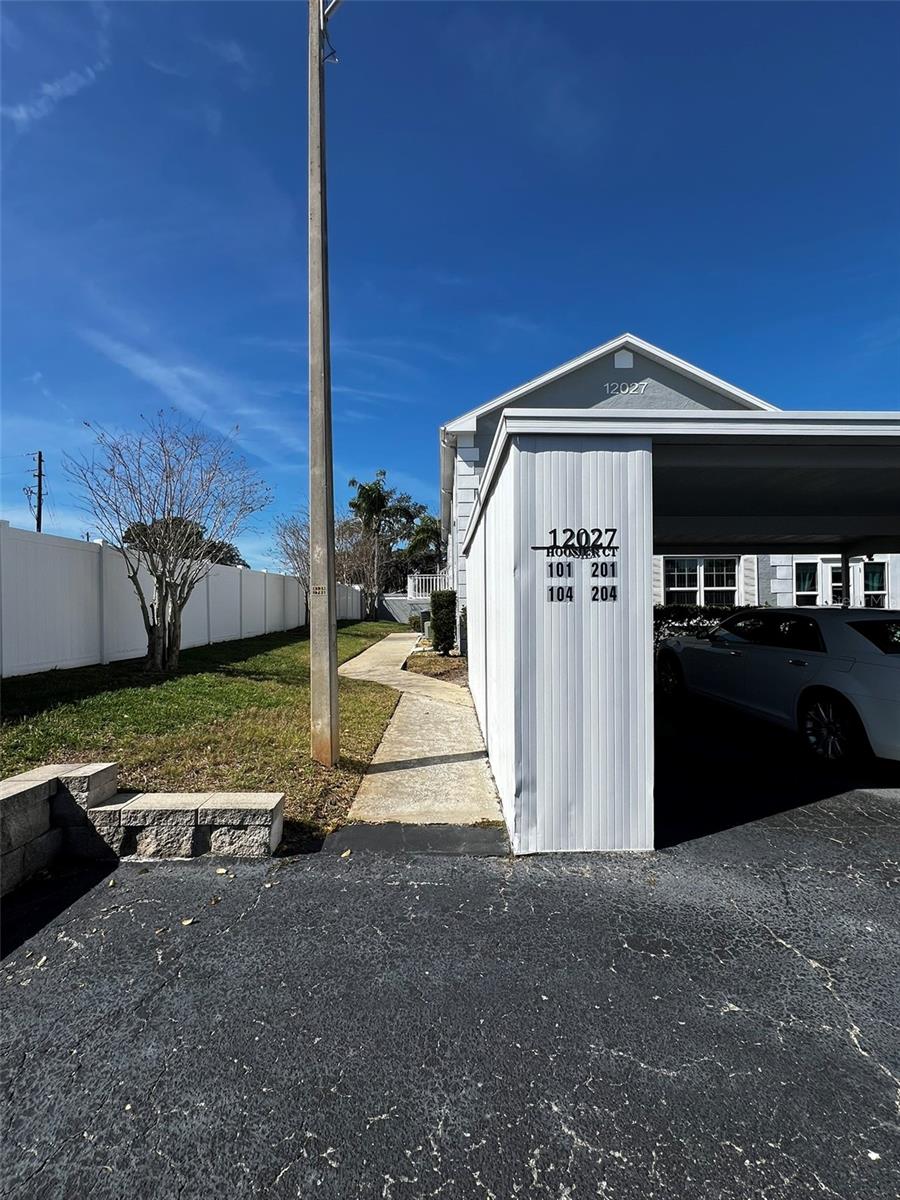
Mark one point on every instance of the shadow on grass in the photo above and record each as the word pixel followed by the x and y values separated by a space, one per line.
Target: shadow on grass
pixel 717 768
pixel 28 695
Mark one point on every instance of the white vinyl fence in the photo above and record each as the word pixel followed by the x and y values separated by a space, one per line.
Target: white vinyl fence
pixel 66 603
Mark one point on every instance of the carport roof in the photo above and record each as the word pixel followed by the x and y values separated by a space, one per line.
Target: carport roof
pixel 749 481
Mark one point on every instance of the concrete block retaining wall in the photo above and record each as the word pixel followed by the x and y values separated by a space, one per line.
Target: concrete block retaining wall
pixel 75 810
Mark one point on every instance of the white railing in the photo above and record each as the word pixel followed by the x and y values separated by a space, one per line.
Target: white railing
pixel 419 587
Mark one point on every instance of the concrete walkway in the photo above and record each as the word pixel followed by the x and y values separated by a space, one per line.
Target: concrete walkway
pixel 383 663
pixel 429 786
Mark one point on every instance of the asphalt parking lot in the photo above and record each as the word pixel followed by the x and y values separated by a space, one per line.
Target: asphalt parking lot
pixel 717 1019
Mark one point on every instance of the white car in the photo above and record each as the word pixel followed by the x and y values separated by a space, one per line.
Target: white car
pixel 831 674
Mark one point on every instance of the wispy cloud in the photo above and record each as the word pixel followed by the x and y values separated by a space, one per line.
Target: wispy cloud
pixel 208 396
pixel 64 522
pixel 352 416
pixel 165 68
pixel 369 395
pixel 230 53
pixel 532 68
pixel 50 94
pixel 510 323
pixel 10 33
pixel 390 354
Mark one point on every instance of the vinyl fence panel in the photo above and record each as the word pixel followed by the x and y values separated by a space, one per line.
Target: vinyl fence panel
pixel 350 603
pixel 67 603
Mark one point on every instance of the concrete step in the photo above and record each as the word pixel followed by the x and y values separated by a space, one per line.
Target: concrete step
pixel 395 837
pixel 184 825
pixel 76 809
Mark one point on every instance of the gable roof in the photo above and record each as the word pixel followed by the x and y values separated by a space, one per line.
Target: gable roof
pixel 625 341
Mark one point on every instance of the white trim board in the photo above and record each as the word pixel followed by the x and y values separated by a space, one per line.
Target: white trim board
pixel 878 427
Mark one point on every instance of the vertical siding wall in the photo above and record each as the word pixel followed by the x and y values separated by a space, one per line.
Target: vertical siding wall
pixel 66 603
pixel 563 690
pixel 491 611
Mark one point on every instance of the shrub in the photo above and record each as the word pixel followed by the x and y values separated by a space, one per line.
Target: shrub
pixel 443 621
pixel 691 620
pixel 415 622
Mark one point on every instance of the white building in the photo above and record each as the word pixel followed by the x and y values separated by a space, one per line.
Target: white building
pixel 624 477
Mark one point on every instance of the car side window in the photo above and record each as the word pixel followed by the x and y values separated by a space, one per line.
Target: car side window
pixel 797 633
pixel 751 627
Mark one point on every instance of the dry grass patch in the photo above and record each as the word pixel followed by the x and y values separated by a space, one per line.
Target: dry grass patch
pixel 452 668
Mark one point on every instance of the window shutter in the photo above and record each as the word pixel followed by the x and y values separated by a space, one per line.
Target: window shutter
pixel 658 593
pixel 749 579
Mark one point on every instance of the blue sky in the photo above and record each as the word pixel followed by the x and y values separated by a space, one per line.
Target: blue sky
pixel 510 185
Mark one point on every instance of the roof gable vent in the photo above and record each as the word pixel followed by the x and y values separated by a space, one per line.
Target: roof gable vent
pixel 624 358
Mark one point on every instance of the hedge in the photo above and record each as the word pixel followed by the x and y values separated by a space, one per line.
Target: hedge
pixel 443 621
pixel 691 620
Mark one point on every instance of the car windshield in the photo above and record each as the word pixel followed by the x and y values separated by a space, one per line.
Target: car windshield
pixel 883 634
pixel 749 627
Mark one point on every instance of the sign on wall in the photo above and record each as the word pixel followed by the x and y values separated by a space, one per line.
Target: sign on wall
pixel 581 560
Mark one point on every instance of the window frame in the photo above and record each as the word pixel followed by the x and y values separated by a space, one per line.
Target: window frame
pixel 826 585
pixel 697 595
pixel 865 592
pixel 816 592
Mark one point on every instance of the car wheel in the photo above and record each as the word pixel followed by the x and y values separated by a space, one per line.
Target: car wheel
pixel 831 730
pixel 669 677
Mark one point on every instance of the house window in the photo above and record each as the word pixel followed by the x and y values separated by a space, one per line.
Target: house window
pixel 719 580
pixel 874 585
pixel 806 584
pixel 700 580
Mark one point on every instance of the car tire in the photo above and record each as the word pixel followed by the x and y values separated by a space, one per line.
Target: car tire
pixel 831 730
pixel 669 678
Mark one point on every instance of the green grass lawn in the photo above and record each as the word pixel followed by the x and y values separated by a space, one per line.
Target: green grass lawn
pixel 235 717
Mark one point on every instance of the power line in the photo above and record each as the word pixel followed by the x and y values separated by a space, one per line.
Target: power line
pixel 34 493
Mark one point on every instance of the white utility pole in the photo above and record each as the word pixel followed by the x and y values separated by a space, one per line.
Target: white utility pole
pixel 323 678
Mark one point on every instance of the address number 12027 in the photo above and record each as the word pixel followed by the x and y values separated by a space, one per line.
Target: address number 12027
pixel 583 538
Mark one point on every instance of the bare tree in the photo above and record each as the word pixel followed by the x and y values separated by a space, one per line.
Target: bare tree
pixel 292 543
pixel 149 492
pixel 351 550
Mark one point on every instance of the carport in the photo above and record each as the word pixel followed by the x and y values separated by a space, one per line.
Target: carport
pixel 572 506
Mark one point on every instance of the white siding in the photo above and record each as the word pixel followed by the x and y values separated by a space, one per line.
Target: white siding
pixel 780 576
pixel 491 635
pixel 564 690
pixel 466 478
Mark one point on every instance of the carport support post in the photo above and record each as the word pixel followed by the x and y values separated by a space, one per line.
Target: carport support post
pixel 845 579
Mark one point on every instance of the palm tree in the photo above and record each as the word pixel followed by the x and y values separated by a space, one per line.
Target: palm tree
pixel 427 540
pixel 385 516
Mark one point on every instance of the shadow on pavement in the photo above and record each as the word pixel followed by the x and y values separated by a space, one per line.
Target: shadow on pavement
pixel 36 903
pixel 717 768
